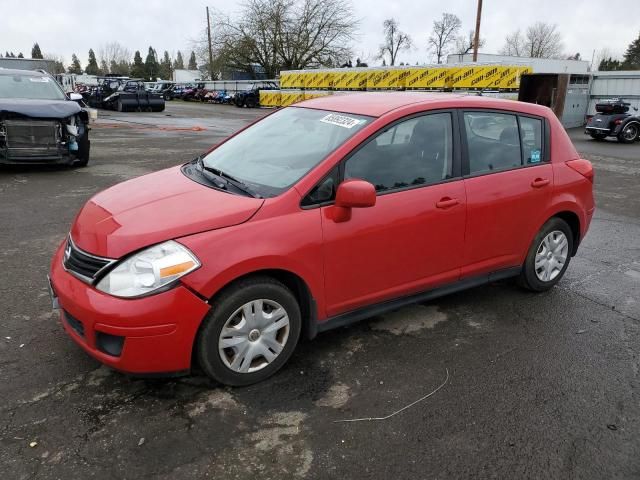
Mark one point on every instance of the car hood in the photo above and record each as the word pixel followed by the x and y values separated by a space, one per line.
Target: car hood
pixel 154 208
pixel 38 108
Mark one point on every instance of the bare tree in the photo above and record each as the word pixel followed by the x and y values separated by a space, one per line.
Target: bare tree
pixel 281 34
pixel 394 41
pixel 465 44
pixel 443 33
pixel 114 54
pixel 541 40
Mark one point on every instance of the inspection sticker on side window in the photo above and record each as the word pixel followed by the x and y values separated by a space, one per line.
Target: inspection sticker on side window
pixel 535 156
pixel 340 120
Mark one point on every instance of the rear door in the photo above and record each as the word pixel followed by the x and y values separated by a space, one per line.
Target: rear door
pixel 508 181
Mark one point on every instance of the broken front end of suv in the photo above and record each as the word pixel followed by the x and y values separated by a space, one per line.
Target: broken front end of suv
pixel 39 133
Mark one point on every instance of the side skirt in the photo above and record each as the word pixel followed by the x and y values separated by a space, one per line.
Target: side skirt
pixel 354 316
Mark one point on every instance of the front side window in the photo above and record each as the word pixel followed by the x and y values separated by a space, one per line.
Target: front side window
pixel 276 152
pixel 417 151
pixel 493 141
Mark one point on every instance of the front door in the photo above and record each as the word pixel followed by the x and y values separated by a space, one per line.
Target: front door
pixel 413 237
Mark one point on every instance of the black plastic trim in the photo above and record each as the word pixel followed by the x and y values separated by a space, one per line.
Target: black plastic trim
pixel 379 308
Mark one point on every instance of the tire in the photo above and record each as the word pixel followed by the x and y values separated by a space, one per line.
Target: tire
pixel 539 274
pixel 251 102
pixel 598 136
pixel 257 294
pixel 630 133
pixel 84 147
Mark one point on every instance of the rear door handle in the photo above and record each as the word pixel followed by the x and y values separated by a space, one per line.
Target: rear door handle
pixel 447 202
pixel 540 182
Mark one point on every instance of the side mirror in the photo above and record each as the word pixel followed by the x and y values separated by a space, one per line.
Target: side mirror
pixel 75 96
pixel 352 194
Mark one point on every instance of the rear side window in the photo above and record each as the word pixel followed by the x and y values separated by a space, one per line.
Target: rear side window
pixel 417 151
pixel 531 134
pixel 493 141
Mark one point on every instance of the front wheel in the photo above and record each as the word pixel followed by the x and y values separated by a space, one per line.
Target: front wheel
pixel 250 333
pixel 629 134
pixel 548 256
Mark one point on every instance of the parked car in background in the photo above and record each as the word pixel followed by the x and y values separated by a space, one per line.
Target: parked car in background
pixel 316 216
pixel 612 120
pixel 39 123
pixel 251 96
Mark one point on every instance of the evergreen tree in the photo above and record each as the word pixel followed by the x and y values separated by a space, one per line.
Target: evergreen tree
pixel 178 63
pixel 104 68
pixel 75 66
pixel 92 66
pixel 151 67
pixel 632 56
pixel 137 69
pixel 165 67
pixel 193 65
pixel 113 67
pixel 35 51
pixel 20 55
pixel 608 64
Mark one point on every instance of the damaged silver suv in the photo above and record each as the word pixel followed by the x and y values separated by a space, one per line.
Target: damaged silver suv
pixel 39 123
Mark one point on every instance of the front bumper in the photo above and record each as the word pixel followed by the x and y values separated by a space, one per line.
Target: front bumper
pixel 149 335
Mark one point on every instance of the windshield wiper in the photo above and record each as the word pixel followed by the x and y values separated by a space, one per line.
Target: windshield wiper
pixel 230 180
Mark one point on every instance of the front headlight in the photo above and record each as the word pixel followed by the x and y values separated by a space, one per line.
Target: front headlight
pixel 149 270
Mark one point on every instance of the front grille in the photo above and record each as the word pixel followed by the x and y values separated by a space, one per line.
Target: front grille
pixel 82 264
pixel 34 136
pixel 74 323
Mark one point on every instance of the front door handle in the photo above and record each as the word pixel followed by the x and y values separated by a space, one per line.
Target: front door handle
pixel 447 202
pixel 540 182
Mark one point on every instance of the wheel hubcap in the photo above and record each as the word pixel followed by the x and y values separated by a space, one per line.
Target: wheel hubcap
pixel 630 132
pixel 551 256
pixel 253 336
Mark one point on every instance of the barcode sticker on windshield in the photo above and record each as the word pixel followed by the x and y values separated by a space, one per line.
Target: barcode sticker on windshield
pixel 340 120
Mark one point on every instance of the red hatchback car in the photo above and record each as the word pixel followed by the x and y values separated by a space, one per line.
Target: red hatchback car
pixel 316 216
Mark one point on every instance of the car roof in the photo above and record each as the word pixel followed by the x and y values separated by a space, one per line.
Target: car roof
pixel 376 104
pixel 14 72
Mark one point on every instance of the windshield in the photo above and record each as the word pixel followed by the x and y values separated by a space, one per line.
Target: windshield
pixel 26 86
pixel 276 152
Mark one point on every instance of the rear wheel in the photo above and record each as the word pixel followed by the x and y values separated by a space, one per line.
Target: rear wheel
pixel 251 102
pixel 548 256
pixel 629 134
pixel 250 333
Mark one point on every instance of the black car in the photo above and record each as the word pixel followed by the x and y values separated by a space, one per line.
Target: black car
pixel 612 120
pixel 39 123
pixel 251 96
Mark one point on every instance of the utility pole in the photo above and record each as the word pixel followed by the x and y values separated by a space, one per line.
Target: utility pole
pixel 210 47
pixel 476 40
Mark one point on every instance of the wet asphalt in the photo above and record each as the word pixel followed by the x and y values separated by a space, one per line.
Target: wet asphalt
pixel 539 385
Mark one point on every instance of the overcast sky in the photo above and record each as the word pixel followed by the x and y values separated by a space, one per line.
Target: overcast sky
pixel 63 28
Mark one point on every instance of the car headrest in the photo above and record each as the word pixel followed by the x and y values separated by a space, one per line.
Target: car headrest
pixel 428 129
pixel 510 136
